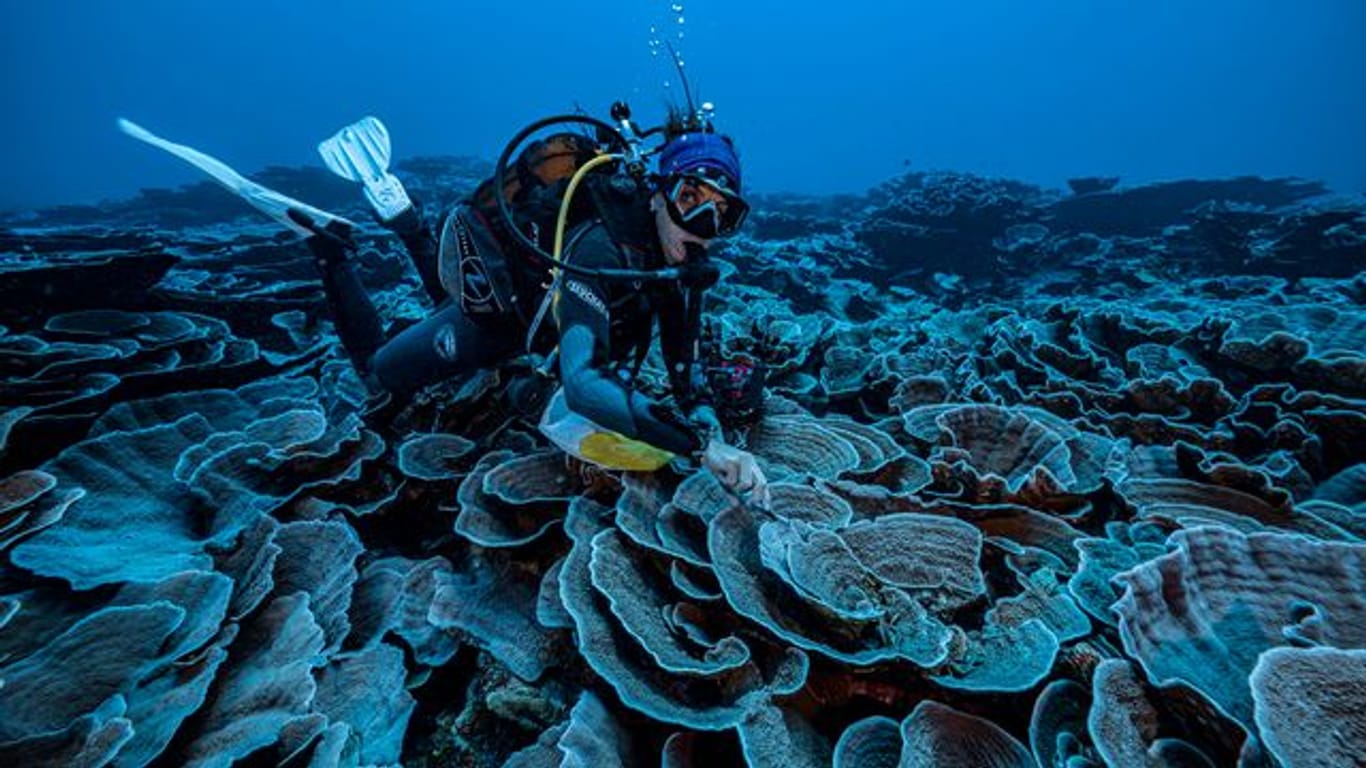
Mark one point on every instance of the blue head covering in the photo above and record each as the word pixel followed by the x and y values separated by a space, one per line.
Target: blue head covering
pixel 708 155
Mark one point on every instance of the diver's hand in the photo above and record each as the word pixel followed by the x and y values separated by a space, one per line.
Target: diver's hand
pixel 738 471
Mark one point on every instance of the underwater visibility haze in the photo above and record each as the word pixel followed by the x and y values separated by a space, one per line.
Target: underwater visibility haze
pixel 683 383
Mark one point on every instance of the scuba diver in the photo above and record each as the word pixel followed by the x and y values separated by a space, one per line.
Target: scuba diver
pixel 578 232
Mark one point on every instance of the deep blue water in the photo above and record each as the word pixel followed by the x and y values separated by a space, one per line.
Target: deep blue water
pixel 823 97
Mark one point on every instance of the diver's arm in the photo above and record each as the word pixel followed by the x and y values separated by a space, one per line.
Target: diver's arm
pixel 689 386
pixel 590 387
pixel 737 469
pixel 592 392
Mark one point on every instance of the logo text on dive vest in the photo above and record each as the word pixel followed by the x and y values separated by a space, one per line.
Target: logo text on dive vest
pixel 476 289
pixel 586 293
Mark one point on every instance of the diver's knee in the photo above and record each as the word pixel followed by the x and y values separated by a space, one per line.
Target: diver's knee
pixel 446 343
pixel 381 374
pixel 417 358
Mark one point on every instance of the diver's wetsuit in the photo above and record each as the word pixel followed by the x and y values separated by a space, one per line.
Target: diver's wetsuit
pixel 605 327
pixel 444 344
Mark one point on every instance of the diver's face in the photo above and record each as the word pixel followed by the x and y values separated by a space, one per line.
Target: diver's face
pixel 672 238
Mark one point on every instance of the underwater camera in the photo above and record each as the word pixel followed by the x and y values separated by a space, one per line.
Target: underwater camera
pixel 737 387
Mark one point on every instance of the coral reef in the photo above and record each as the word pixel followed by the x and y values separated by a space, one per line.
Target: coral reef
pixel 1058 479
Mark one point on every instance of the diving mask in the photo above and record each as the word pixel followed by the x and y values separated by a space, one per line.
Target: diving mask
pixel 701 204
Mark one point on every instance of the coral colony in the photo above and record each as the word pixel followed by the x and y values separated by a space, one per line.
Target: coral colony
pixel 1060 478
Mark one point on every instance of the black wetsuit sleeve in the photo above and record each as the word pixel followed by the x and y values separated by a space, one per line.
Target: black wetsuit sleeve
pixel 590 387
pixel 678 344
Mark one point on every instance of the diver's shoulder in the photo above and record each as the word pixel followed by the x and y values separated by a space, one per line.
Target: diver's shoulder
pixel 591 244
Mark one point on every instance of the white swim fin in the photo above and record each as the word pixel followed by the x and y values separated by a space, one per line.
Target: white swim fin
pixel 360 152
pixel 267 201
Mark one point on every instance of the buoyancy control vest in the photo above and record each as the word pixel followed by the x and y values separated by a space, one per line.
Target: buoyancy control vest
pixel 487 269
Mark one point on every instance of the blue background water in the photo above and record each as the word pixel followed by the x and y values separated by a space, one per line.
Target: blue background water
pixel 823 97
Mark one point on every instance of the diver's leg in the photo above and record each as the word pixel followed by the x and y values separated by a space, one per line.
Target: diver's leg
pixel 357 322
pixel 444 345
pixel 361 152
pixel 420 240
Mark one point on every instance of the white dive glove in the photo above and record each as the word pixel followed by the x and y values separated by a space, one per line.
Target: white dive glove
pixel 738 471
